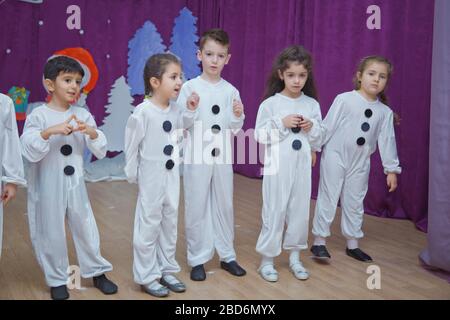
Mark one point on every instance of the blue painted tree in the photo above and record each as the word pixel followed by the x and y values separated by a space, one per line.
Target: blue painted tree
pixel 184 37
pixel 146 42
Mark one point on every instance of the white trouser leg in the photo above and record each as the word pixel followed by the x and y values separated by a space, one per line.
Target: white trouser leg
pixel 352 197
pixel 330 185
pixel 198 222
pixel 275 200
pixel 222 214
pixel 168 235
pixel 85 234
pixel 297 215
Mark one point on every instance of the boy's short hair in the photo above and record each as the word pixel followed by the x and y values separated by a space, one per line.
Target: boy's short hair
pixel 59 64
pixel 217 35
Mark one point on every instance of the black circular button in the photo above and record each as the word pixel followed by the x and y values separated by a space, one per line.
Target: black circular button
pixel 69 170
pixel 66 150
pixel 167 126
pixel 296 144
pixel 368 113
pixel 365 127
pixel 170 164
pixel 215 152
pixel 215 128
pixel 360 141
pixel 168 150
pixel 215 109
pixel 296 129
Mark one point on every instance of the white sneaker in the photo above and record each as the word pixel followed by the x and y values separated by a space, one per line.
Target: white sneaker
pixel 268 273
pixel 299 271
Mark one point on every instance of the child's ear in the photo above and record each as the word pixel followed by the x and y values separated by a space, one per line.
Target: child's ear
pixel 154 82
pixel 358 76
pixel 199 55
pixel 280 75
pixel 49 85
pixel 228 58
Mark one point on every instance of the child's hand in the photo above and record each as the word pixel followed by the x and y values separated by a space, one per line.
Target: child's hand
pixel 313 158
pixel 292 121
pixel 84 128
pixel 391 181
pixel 306 124
pixel 238 108
pixel 64 128
pixel 9 193
pixel 192 101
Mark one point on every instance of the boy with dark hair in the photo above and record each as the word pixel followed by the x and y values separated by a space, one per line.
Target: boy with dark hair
pixel 53 141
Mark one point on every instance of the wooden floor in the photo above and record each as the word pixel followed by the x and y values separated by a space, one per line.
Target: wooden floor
pixel 394 245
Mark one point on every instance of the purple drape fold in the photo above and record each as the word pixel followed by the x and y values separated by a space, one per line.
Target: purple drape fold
pixel 436 256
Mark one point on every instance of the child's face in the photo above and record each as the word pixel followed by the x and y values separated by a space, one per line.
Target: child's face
pixel 170 84
pixel 294 77
pixel 65 88
pixel 374 78
pixel 214 56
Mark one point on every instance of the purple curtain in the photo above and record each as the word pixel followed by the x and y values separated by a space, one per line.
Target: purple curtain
pixel 334 31
pixel 437 254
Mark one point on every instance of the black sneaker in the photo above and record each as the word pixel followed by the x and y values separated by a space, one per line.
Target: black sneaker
pixel 59 293
pixel 233 267
pixel 358 254
pixel 105 285
pixel 198 273
pixel 320 252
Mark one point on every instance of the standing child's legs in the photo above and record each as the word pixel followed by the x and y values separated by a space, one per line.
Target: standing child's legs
pixel 222 216
pixel 198 221
pixel 86 239
pixel 353 193
pixel 332 173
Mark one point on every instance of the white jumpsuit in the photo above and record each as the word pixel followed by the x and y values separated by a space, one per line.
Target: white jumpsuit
pixel 287 172
pixel 10 156
pixel 350 133
pixel 152 139
pixel 56 190
pixel 208 171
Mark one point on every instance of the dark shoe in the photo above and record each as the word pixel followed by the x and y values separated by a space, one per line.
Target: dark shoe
pixel 320 252
pixel 171 282
pixel 233 268
pixel 59 293
pixel 105 285
pixel 358 254
pixel 198 273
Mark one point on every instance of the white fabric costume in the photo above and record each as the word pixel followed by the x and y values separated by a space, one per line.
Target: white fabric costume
pixel 10 156
pixel 56 190
pixel 350 133
pixel 287 172
pixel 208 172
pixel 152 160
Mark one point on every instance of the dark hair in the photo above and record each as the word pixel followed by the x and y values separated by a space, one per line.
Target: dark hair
pixel 363 64
pixel 59 64
pixel 217 35
pixel 292 54
pixel 155 67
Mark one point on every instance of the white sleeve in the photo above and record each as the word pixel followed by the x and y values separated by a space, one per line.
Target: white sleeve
pixel 315 134
pixel 97 146
pixel 332 120
pixel 236 123
pixel 188 116
pixel 387 146
pixel 134 133
pixel 269 128
pixel 12 164
pixel 34 147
